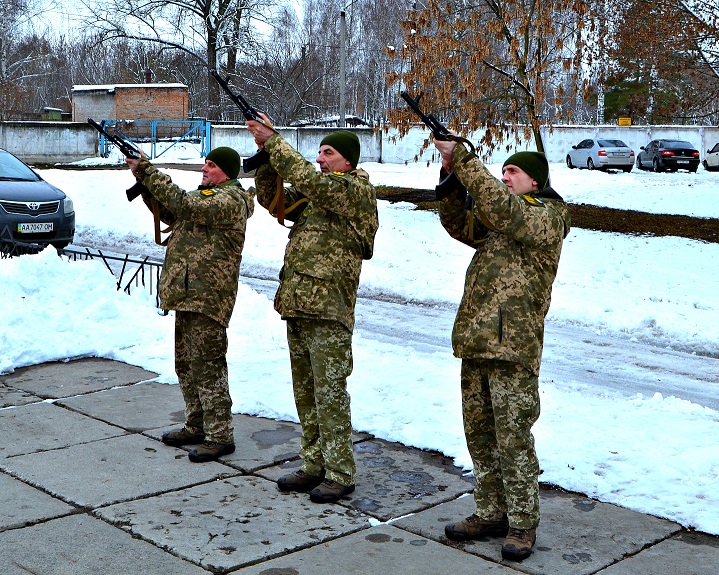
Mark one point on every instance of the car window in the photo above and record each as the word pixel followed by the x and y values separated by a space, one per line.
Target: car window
pixel 13 169
pixel 612 143
pixel 678 144
pixel 714 149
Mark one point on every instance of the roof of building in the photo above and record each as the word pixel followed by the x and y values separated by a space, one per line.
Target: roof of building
pixel 113 87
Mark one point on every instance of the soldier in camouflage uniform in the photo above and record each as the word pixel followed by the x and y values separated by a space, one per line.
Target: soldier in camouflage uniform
pixel 333 233
pixel 199 281
pixel 517 227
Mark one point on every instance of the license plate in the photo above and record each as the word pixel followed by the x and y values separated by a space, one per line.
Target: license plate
pixel 620 154
pixel 38 228
pixel 682 161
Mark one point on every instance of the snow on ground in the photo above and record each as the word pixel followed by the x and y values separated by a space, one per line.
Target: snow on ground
pixel 656 454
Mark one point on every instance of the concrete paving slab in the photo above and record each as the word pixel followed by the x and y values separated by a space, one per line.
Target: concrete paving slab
pixel 59 379
pixel 112 470
pixel 381 550
pixel 394 480
pixel 24 505
pixel 233 522
pixel 10 396
pixel 134 407
pixel 576 535
pixel 83 545
pixel 45 426
pixel 261 442
pixel 684 554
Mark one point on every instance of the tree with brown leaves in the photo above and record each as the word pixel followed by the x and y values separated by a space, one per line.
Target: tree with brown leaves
pixel 507 67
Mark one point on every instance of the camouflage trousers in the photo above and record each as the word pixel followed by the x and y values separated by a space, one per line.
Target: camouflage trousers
pixel 321 360
pixel 500 403
pixel 201 367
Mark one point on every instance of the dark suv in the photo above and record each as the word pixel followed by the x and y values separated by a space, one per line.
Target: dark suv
pixel 33 214
pixel 668 155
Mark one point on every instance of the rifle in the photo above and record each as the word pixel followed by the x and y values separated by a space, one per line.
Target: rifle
pixel 128 149
pixel 441 133
pixel 261 157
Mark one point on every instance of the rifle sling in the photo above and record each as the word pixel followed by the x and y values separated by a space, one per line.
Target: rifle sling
pixel 158 232
pixel 280 195
pixel 277 206
pixel 455 138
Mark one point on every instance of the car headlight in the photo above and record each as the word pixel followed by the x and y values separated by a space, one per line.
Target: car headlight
pixel 67 206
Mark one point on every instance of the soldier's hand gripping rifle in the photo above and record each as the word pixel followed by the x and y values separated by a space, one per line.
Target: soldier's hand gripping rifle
pixel 128 149
pixel 441 133
pixel 261 157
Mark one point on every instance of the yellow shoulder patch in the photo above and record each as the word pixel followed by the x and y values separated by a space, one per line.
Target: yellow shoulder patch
pixel 531 200
pixel 210 192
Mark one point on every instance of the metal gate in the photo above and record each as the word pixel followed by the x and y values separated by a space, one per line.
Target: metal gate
pixel 162 135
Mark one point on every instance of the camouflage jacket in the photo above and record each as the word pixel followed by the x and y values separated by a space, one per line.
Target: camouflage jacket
pixel 202 262
pixel 332 235
pixel 508 286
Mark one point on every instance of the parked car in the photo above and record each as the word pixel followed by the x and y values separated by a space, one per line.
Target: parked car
pixel 33 213
pixel 601 154
pixel 668 155
pixel 711 160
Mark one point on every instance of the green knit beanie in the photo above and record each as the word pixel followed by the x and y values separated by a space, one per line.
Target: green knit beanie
pixel 534 164
pixel 227 160
pixel 346 143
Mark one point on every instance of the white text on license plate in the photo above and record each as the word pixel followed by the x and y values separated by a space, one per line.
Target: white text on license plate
pixel 682 161
pixel 38 228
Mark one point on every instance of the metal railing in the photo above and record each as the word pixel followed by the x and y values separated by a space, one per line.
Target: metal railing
pixel 131 272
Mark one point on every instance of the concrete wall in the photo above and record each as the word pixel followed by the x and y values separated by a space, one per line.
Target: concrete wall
pixel 562 138
pixel 391 149
pixel 98 104
pixel 305 140
pixel 57 142
pixel 43 143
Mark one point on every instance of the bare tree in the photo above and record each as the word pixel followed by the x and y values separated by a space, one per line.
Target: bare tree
pixel 380 31
pixel 211 31
pixel 16 17
pixel 493 64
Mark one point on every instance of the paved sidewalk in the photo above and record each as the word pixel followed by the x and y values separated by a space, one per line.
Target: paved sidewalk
pixel 86 487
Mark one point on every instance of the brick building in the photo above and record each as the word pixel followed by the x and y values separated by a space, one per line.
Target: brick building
pixel 130 102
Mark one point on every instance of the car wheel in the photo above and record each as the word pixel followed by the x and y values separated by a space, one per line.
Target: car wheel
pixel 706 166
pixel 693 170
pixel 655 165
pixel 639 164
pixel 627 169
pixel 590 164
pixel 570 165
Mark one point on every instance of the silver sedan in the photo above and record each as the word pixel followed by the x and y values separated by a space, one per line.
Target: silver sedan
pixel 601 154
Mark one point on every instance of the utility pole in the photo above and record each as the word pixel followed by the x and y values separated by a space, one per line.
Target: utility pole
pixel 343 67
